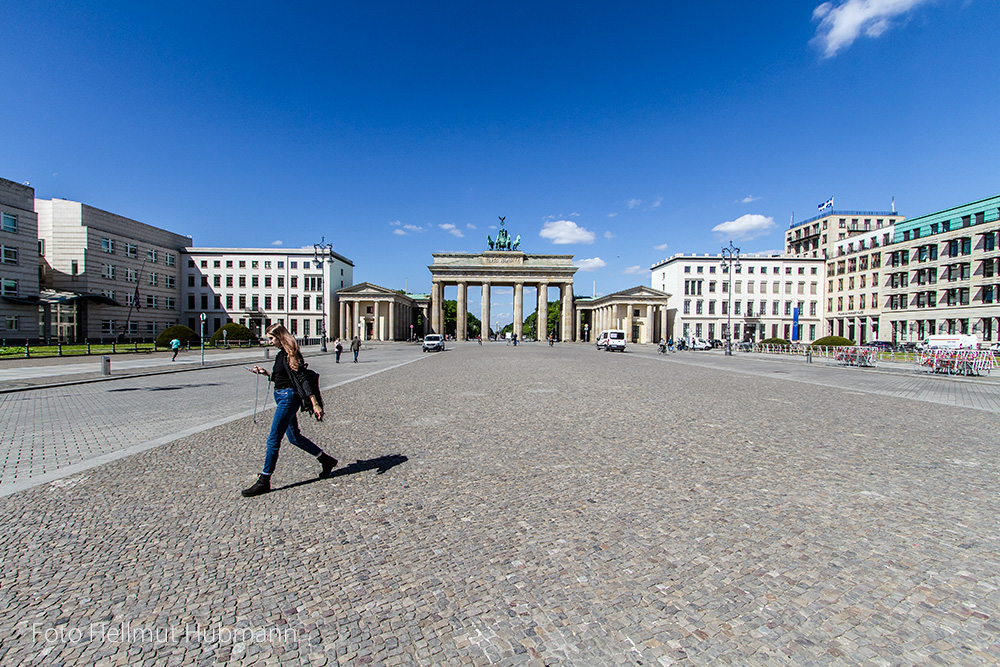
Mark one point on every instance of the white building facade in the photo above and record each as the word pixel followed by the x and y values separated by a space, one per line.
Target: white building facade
pixel 770 296
pixel 19 249
pixel 258 287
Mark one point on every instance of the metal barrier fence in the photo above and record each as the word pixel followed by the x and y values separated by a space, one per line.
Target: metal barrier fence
pixel 952 362
pixel 956 362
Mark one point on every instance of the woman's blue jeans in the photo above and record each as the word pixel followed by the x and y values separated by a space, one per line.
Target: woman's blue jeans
pixel 286 423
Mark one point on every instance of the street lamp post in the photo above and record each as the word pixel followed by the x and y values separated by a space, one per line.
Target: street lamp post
pixel 730 256
pixel 323 252
pixel 203 317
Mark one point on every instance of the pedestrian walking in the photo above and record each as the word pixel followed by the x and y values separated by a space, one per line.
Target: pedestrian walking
pixel 356 347
pixel 338 348
pixel 288 371
pixel 175 345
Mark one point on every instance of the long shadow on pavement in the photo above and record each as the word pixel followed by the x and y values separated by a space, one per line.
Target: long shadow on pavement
pixel 380 465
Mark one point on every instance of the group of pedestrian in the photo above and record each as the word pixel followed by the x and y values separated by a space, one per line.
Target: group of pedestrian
pixel 338 348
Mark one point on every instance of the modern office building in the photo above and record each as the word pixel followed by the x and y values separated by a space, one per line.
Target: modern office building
pixel 19 247
pixel 942 275
pixel 113 276
pixel 770 295
pixel 257 287
pixel 852 285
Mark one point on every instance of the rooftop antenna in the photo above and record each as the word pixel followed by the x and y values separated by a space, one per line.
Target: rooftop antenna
pixel 894 204
pixel 595 288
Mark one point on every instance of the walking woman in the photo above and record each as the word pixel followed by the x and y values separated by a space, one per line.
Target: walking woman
pixel 288 371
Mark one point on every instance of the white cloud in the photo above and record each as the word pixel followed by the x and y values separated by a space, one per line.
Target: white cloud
pixel 656 204
pixel 591 264
pixel 632 203
pixel 608 235
pixel 662 246
pixel 451 229
pixel 840 25
pixel 562 232
pixel 634 271
pixel 469 225
pixel 402 229
pixel 612 215
pixel 399 232
pixel 276 243
pixel 749 199
pixel 745 227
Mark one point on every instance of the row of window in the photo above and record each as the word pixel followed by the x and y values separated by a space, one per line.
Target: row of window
pixel 954 296
pixel 108 245
pixel 694 287
pixel 947 226
pixel 131 327
pixel 738 308
pixel 850 302
pixel 308 303
pixel 750 269
pixel 924 328
pixel 862 282
pixel 110 272
pixel 749 331
pixel 309 283
pixel 255 264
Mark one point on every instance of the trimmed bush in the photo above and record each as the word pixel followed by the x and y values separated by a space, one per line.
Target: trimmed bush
pixel 833 341
pixel 776 341
pixel 178 331
pixel 233 331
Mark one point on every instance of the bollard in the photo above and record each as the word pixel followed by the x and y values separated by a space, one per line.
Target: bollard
pixel 27 352
pixel 88 346
pixel 267 353
pixel 105 365
pixel 59 348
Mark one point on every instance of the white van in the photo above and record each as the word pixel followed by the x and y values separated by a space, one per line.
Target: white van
pixel 611 340
pixel 950 342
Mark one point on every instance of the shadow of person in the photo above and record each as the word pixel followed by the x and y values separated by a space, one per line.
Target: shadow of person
pixel 380 465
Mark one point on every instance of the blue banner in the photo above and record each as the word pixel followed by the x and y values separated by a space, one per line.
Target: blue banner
pixel 795 324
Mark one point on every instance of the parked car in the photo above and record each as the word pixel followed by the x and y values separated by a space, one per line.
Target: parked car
pixel 433 343
pixel 715 342
pixel 700 344
pixel 880 344
pixel 745 346
pixel 611 340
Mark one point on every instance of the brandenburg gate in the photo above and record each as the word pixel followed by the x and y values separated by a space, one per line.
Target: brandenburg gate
pixel 503 265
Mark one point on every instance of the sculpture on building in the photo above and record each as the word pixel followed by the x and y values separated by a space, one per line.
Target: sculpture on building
pixel 502 241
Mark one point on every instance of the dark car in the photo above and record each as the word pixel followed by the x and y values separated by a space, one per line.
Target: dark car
pixel 715 342
pixel 880 344
pixel 745 346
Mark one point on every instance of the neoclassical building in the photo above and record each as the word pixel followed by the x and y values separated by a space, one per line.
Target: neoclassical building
pixel 501 268
pixel 372 312
pixel 641 312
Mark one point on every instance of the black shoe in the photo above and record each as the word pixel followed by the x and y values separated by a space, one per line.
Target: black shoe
pixel 328 463
pixel 261 486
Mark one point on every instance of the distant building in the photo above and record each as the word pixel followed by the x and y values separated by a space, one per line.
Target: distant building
pixel 19 248
pixel 942 274
pixel 818 236
pixel 852 285
pixel 766 291
pixel 123 276
pixel 258 287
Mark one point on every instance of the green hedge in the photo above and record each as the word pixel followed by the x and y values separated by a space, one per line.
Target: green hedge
pixel 776 341
pixel 233 331
pixel 833 341
pixel 178 331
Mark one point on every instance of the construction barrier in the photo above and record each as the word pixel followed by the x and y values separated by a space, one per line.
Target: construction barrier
pixel 856 356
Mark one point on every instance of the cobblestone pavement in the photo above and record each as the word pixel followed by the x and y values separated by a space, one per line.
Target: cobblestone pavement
pixel 531 506
pixel 50 432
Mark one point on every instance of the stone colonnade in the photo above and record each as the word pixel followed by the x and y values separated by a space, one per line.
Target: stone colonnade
pixel 641 312
pixel 375 313
pixel 542 309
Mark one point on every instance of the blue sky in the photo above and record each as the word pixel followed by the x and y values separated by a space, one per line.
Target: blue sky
pixel 620 133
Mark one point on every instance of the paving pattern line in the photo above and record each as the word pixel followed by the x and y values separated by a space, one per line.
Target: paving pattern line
pixel 101 459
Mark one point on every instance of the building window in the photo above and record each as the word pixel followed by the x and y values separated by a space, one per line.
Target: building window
pixel 170 259
pixel 154 279
pixel 281 302
pixel 305 302
pixel 151 301
pixel 229 301
pixel 108 246
pixel 8 254
pixel 294 302
pixel 171 282
pixel 151 255
pixel 13 322
pixel 107 327
pixel 132 250
pixel 229 281
pixel 254 280
pixel 687 306
pixel 243 301
pixel 171 303
pixel 281 281
pixel 267 302
pixel 243 281
pixel 108 271
pixel 8 223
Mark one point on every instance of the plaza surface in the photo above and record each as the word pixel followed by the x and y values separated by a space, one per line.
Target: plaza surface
pixel 511 505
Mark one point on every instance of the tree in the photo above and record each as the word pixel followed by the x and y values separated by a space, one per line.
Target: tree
pixel 182 333
pixel 233 331
pixel 473 327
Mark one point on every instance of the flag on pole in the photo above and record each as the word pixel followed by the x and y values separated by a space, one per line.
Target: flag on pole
pixel 135 298
pixel 827 204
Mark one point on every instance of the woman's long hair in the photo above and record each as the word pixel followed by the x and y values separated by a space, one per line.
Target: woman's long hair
pixel 287 343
